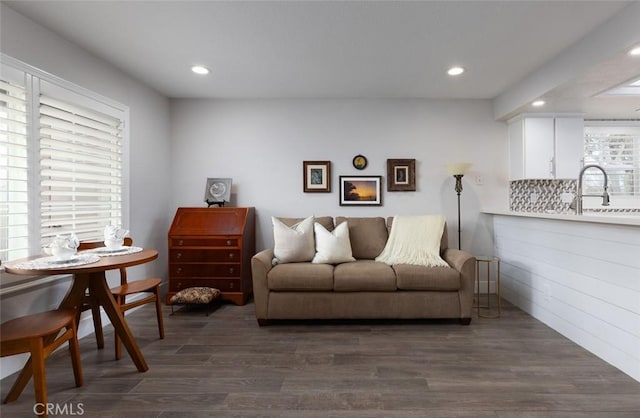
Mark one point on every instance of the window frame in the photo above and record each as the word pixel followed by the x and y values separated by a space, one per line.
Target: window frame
pixel 621 200
pixel 81 96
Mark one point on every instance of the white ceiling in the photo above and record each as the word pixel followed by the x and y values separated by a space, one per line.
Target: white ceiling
pixel 332 49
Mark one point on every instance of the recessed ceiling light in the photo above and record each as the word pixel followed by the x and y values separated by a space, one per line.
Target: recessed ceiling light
pixel 635 51
pixel 538 103
pixel 199 69
pixel 455 71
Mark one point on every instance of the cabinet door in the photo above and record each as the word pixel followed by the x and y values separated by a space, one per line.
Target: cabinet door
pixel 516 150
pixel 569 147
pixel 538 148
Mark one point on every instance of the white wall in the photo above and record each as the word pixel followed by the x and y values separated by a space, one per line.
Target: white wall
pixel 579 278
pixel 150 174
pixel 261 144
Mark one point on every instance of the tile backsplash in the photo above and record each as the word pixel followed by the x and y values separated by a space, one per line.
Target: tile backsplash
pixel 542 195
pixel 555 196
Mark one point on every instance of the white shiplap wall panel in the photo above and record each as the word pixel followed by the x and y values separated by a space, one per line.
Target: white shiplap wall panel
pixel 611 261
pixel 581 279
pixel 563 243
pixel 602 320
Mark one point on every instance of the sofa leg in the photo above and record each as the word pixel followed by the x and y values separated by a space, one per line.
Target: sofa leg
pixel 263 322
pixel 465 321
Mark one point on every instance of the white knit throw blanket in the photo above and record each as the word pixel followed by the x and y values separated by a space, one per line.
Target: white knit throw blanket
pixel 414 240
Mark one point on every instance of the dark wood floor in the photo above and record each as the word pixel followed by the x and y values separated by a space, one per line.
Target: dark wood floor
pixel 224 365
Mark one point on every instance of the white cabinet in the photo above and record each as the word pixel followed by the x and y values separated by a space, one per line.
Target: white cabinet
pixel 545 147
pixel 569 144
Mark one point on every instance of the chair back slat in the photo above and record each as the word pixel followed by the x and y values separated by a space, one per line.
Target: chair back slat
pixel 90 245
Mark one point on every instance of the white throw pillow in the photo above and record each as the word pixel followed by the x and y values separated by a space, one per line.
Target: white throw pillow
pixel 293 244
pixel 332 247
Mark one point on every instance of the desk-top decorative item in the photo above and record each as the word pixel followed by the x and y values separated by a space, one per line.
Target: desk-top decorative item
pixel 218 191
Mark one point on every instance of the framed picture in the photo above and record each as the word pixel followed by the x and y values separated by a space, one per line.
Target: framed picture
pixel 317 176
pixel 218 191
pixel 360 162
pixel 360 191
pixel 401 175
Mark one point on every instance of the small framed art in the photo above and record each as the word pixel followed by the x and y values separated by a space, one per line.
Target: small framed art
pixel 360 191
pixel 317 176
pixel 401 175
pixel 360 162
pixel 218 191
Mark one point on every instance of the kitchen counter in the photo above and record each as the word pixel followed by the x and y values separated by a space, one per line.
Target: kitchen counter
pixel 579 274
pixel 621 218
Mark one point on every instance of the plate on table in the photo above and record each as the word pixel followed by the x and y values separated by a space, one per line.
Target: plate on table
pixel 105 250
pixel 52 260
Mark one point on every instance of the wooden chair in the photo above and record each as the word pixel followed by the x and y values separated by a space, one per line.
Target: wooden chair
pixel 37 334
pixel 120 293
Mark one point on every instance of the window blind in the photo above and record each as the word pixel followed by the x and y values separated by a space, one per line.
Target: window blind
pixel 14 210
pixel 81 170
pixel 619 154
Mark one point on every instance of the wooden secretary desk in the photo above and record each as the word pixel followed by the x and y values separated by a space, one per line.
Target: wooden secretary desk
pixel 212 247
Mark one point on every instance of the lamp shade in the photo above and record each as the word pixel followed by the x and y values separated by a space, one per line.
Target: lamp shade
pixel 458 168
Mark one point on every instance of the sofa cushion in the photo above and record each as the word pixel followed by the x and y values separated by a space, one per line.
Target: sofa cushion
pixel 326 221
pixel 332 247
pixel 410 277
pixel 367 235
pixel 300 276
pixel 364 275
pixel 292 244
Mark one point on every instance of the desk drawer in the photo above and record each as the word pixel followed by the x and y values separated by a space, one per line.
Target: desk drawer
pixel 205 242
pixel 203 256
pixel 204 270
pixel 225 285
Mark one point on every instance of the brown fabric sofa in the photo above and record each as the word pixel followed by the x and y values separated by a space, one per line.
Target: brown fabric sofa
pixel 363 288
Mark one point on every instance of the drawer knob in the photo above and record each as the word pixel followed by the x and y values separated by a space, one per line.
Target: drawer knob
pixel 179 255
pixel 231 270
pixel 179 270
pixel 181 242
pixel 231 255
pixel 230 285
pixel 228 242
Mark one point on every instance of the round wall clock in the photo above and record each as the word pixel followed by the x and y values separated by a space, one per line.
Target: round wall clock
pixel 360 162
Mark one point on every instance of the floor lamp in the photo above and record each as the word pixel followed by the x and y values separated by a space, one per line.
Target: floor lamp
pixel 458 170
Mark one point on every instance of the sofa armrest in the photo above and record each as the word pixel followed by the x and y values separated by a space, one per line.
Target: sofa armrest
pixel 465 264
pixel 260 267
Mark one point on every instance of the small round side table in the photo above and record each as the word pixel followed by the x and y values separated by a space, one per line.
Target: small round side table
pixel 482 261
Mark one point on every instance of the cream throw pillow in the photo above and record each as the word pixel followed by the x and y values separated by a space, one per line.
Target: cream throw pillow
pixel 293 244
pixel 332 247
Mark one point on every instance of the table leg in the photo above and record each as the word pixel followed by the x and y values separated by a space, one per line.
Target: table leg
pixel 99 288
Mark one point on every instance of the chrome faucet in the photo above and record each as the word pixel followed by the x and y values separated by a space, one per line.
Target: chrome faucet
pixel 604 195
